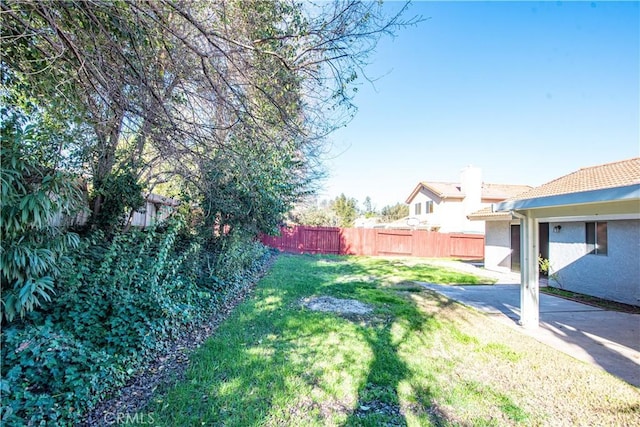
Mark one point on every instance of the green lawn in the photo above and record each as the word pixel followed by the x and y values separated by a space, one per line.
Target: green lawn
pixel 275 362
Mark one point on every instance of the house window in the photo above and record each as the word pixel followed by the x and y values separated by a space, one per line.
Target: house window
pixel 596 235
pixel 428 207
pixel 418 208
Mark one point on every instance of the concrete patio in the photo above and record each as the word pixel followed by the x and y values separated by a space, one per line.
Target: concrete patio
pixel 608 339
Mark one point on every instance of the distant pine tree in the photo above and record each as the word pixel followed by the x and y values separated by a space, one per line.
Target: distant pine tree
pixel 346 209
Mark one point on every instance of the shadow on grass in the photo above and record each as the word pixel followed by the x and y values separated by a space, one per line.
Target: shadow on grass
pixel 379 403
pixel 378 400
pixel 274 362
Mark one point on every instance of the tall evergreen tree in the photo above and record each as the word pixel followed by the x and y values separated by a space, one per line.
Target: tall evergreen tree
pixel 346 209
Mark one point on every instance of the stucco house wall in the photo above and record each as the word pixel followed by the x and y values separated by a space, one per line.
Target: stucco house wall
pixel 614 276
pixel 421 198
pixel 454 202
pixel 448 214
pixel 497 251
pixel 458 212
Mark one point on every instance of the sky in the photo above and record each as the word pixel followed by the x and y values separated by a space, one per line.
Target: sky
pixel 526 91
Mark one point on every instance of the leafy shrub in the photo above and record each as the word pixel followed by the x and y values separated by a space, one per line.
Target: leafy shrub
pixel 544 265
pixel 116 194
pixel 51 376
pixel 34 195
pixel 125 295
pixel 119 305
pixel 230 263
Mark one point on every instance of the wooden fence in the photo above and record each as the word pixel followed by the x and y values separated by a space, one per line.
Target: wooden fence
pixel 372 241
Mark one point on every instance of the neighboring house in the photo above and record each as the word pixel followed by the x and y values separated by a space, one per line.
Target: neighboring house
pixel 588 222
pixel 156 209
pixel 444 206
pixel 406 223
pixel 364 222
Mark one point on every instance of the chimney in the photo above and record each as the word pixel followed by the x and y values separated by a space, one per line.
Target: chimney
pixel 471 187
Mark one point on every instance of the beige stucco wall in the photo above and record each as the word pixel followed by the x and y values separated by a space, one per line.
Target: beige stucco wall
pixel 497 250
pixel 448 214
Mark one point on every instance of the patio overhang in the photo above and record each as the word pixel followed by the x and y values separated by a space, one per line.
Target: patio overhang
pixel 587 199
pixel 603 204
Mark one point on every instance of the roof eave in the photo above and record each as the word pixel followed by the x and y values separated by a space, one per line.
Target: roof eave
pixel 629 192
pixel 498 216
pixel 437 193
pixel 427 187
pixel 414 193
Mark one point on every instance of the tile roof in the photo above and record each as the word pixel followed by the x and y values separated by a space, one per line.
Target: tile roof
pixel 489 191
pixel 610 175
pixel 503 191
pixel 443 189
pixel 488 213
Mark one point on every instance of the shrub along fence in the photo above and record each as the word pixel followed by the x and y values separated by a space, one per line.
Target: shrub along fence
pixel 372 241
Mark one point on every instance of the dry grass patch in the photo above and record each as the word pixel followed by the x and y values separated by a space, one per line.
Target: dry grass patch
pixel 554 388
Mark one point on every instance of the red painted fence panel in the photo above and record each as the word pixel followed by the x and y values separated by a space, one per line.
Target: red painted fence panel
pixel 372 241
pixel 315 240
pixel 467 246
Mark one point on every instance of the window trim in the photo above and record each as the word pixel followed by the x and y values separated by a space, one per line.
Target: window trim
pixel 428 207
pixel 597 238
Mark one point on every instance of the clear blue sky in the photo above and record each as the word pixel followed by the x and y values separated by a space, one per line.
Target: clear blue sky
pixel 526 91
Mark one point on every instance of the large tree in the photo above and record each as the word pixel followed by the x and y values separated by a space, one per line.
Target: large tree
pixel 230 100
pixel 168 88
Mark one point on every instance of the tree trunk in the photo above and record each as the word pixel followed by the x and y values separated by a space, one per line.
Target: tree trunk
pixel 107 157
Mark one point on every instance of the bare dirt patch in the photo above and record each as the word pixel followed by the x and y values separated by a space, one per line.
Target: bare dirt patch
pixel 337 305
